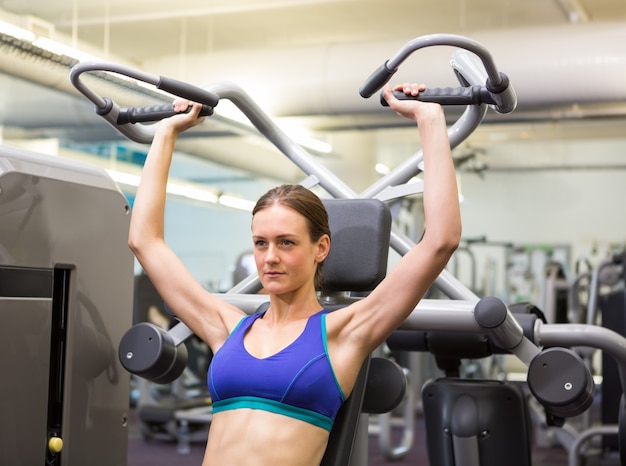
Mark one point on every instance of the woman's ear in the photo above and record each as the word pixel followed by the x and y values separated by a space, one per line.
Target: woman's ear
pixel 323 248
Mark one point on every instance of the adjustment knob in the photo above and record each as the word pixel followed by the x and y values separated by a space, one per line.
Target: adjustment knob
pixel 55 445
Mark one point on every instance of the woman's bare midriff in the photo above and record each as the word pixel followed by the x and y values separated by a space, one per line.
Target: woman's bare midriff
pixel 248 437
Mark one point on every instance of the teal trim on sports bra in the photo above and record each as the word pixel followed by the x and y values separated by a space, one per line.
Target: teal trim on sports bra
pixel 272 406
pixel 238 324
pixel 325 341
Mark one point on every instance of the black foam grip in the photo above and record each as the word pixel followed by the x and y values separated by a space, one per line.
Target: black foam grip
pixel 377 80
pixel 153 113
pixel 188 91
pixel 473 95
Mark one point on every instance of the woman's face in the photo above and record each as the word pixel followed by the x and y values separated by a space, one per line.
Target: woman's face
pixel 284 254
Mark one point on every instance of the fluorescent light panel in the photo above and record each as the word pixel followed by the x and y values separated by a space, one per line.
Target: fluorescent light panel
pixel 236 202
pixel 195 193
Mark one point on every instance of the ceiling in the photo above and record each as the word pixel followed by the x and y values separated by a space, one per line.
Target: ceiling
pixel 178 37
pixel 144 29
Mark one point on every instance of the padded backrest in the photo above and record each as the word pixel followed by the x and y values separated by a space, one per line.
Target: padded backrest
pixel 360 231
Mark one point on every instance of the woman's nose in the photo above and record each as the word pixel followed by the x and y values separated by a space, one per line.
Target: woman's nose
pixel 271 254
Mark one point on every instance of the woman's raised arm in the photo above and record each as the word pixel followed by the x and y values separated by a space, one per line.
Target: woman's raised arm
pixel 373 319
pixel 207 316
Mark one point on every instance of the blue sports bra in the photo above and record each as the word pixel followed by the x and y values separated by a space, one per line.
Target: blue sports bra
pixel 298 381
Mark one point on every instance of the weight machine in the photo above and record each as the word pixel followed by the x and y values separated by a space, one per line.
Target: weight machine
pixel 464 422
pixel 66 278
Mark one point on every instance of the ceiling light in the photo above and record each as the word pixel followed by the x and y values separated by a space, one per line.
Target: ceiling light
pixel 192 192
pixel 17 32
pixel 293 130
pixel 381 169
pixel 313 144
pixel 302 137
pixel 196 193
pixel 236 202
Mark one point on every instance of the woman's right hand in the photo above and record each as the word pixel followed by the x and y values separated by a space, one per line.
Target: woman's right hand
pixel 183 121
pixel 413 109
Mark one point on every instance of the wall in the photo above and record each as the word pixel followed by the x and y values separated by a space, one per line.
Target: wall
pixel 577 206
pixel 208 240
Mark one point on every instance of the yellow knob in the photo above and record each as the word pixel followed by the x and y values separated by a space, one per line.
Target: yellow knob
pixel 55 444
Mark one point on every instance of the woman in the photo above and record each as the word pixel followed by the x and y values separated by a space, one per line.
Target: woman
pixel 259 417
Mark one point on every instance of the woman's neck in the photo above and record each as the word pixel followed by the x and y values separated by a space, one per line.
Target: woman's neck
pixel 292 307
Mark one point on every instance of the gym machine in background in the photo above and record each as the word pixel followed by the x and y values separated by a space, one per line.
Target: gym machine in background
pixel 66 278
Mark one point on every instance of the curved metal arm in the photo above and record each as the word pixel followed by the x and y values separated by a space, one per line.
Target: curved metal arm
pixel 117 117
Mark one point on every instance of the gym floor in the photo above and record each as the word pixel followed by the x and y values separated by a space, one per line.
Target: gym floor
pixel 156 453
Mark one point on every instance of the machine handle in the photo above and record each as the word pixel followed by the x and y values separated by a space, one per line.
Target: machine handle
pixel 376 81
pixel 120 118
pixel 153 113
pixel 187 91
pixel 497 90
pixel 170 85
pixel 473 95
pixel 502 99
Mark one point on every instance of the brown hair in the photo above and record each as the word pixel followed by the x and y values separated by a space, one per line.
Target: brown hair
pixel 307 204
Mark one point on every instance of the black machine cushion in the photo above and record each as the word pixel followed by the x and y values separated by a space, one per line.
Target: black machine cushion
pixel 491 414
pixel 360 231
